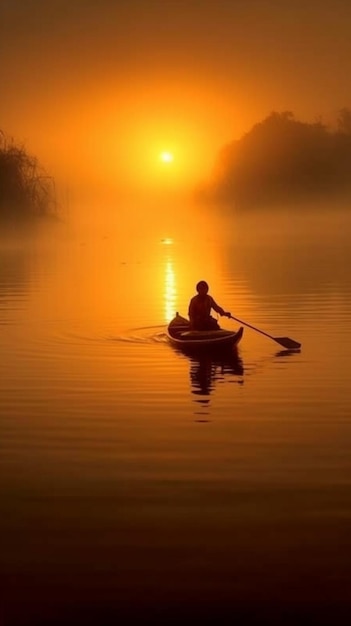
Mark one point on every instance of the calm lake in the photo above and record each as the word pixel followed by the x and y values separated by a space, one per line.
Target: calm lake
pixel 138 484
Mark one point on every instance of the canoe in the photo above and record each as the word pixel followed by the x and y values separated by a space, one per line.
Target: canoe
pixel 180 335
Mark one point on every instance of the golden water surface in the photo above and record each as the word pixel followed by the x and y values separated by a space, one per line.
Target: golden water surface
pixel 139 483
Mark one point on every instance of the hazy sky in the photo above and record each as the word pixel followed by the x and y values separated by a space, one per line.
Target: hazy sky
pixel 102 86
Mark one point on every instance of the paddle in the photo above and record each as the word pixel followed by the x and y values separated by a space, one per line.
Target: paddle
pixel 287 343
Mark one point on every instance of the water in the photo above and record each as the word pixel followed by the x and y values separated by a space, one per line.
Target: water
pixel 138 483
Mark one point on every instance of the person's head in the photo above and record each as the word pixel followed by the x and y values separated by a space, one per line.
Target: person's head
pixel 202 288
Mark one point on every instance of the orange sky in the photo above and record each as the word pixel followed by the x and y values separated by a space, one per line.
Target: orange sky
pixel 98 89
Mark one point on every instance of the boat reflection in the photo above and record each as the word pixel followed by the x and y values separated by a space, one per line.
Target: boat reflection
pixel 206 370
pixel 209 369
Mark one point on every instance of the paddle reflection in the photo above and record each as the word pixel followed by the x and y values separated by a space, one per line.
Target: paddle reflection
pixel 287 353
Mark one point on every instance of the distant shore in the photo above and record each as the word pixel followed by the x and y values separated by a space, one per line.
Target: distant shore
pixel 282 159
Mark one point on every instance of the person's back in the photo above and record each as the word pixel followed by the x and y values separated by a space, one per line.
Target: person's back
pixel 200 307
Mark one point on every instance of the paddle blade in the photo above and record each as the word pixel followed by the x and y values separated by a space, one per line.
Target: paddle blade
pixel 288 343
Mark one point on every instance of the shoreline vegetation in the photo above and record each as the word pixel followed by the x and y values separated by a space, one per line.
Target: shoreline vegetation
pixel 27 192
pixel 282 160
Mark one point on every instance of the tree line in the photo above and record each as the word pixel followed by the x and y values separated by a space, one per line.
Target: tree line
pixel 282 159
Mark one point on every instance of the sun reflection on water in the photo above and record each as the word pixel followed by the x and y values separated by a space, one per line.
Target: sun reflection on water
pixel 170 293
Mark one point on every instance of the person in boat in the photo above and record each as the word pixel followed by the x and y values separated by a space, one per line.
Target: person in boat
pixel 200 307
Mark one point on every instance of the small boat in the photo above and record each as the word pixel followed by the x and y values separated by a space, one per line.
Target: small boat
pixel 181 336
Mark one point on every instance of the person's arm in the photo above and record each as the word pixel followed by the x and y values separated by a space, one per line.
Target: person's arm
pixel 218 308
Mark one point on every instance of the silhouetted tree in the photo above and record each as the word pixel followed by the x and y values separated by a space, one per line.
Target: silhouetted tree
pixel 26 191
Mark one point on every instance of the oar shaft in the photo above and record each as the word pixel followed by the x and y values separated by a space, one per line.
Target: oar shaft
pixel 253 327
pixel 286 342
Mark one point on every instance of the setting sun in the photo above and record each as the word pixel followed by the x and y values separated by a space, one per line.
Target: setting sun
pixel 166 157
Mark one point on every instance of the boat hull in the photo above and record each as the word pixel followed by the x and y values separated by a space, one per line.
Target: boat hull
pixel 181 336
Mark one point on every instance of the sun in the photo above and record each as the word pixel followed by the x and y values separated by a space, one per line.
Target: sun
pixel 166 157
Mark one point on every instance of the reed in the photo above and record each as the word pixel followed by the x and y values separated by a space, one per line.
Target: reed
pixel 27 192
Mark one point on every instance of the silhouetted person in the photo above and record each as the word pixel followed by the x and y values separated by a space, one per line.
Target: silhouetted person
pixel 200 309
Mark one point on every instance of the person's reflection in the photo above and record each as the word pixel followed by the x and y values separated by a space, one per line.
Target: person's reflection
pixel 207 370
pixel 202 373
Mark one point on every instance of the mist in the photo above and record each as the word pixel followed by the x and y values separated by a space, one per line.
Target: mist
pixel 95 92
